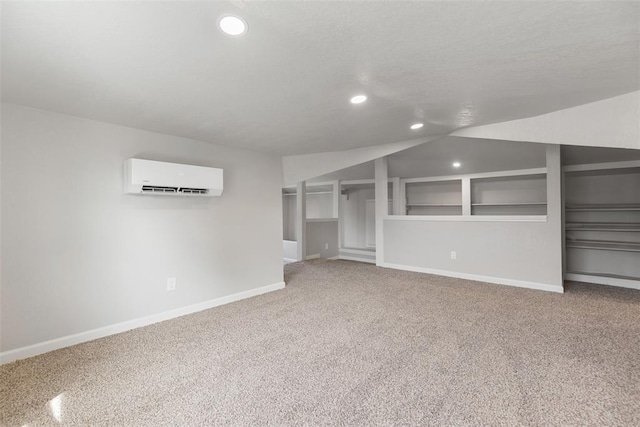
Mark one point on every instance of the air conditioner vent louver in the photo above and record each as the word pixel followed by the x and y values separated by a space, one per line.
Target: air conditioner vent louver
pixel 193 190
pixel 151 189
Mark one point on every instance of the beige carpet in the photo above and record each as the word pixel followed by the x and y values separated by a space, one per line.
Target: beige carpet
pixel 351 344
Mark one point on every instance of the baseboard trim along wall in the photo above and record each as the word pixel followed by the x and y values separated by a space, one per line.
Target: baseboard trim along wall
pixel 357 258
pixel 488 279
pixel 69 340
pixel 288 260
pixel 314 256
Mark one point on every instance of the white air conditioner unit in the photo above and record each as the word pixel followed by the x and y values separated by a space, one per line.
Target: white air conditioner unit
pixel 161 178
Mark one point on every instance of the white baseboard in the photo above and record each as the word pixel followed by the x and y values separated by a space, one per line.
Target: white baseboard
pixel 609 281
pixel 488 279
pixel 69 340
pixel 333 258
pixel 356 258
pixel 314 256
pixel 288 260
pixel 352 251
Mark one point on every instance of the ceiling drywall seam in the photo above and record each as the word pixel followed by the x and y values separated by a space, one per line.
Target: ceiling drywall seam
pixel 306 166
pixel 612 122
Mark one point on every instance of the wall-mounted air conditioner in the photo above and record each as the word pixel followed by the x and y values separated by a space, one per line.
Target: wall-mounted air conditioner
pixel 161 178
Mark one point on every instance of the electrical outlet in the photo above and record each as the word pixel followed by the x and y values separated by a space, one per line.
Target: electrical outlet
pixel 326 246
pixel 453 255
pixel 171 283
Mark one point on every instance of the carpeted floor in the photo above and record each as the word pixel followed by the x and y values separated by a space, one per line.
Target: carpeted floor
pixel 351 344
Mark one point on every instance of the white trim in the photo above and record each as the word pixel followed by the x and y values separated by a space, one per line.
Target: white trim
pixel 468 218
pixel 358 181
pixel 322 219
pixel 356 251
pixel 355 258
pixel 601 166
pixel 288 260
pixel 81 337
pixel 333 258
pixel 488 279
pixel 310 184
pixel 314 256
pixel 600 280
pixel 498 174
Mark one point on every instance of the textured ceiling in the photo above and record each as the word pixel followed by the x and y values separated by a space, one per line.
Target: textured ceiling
pixel 284 86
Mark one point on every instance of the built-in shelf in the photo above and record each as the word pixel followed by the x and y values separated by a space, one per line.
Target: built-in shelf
pixel 433 197
pixel 607 275
pixel 604 245
pixel 604 207
pixel 603 226
pixel 602 223
pixel 511 204
pixel 433 205
pixel 321 219
pixel 521 194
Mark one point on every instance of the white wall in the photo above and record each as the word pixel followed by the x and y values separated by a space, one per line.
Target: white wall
pixel 78 254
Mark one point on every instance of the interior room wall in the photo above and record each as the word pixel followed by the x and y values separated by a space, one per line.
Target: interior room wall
pixel 78 254
pixel 526 253
pixel 517 251
pixel 322 239
pixel 319 205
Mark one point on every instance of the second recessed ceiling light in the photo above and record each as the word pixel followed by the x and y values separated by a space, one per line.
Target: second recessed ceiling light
pixel 358 99
pixel 416 126
pixel 232 25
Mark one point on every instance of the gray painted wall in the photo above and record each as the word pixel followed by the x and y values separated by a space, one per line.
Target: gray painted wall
pixel 319 234
pixel 507 250
pixel 78 254
pixel 521 251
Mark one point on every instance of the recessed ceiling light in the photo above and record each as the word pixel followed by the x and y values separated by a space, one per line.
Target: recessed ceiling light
pixel 456 164
pixel 358 99
pixel 416 126
pixel 232 25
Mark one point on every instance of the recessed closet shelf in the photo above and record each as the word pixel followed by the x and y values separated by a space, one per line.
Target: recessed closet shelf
pixel 605 245
pixel 605 207
pixel 607 275
pixel 511 204
pixel 321 219
pixel 469 218
pixel 433 205
pixel 603 226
